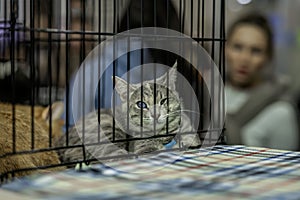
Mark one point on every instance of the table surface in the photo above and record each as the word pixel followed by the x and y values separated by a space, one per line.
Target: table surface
pixel 220 172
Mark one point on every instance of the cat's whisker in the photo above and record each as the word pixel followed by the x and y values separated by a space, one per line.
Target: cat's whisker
pixel 191 111
pixel 175 112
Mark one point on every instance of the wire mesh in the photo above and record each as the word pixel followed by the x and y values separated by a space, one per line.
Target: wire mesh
pixel 47 41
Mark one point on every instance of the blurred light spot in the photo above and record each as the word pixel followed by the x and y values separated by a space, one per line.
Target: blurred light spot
pixel 244 1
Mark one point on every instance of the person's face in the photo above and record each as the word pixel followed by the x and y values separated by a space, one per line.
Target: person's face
pixel 246 52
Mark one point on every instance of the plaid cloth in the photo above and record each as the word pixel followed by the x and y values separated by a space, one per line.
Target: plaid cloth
pixel 221 172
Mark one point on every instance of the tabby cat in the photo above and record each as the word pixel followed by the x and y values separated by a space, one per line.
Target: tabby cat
pixel 150 111
pixel 23 128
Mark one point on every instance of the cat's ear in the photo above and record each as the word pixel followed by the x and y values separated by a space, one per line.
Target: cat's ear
pixel 57 109
pixel 172 73
pixel 121 88
pixel 57 123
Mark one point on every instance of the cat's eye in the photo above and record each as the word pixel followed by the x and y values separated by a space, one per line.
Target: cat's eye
pixel 141 104
pixel 163 101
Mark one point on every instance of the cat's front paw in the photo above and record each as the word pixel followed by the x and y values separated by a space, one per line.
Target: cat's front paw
pixel 190 141
pixel 146 150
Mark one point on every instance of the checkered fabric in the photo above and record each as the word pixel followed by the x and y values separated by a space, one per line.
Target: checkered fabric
pixel 221 172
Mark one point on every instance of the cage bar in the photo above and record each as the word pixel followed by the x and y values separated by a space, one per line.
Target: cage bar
pixel 73 28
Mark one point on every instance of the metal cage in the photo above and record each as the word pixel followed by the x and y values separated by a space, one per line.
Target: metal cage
pixel 46 42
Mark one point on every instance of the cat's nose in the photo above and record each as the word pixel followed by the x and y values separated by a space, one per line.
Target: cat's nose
pixel 155 112
pixel 155 115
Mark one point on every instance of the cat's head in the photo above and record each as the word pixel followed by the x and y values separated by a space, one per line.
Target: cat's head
pixel 153 105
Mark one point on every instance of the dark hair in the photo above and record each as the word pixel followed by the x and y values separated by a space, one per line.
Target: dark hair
pixel 260 21
pixel 150 13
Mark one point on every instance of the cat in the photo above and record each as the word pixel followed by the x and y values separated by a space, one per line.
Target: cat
pixel 139 116
pixel 9 161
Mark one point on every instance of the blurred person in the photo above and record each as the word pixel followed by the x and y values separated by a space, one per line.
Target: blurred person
pixel 258 110
pixel 58 56
pixel 49 16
